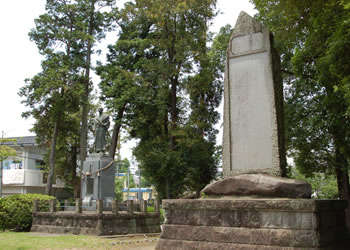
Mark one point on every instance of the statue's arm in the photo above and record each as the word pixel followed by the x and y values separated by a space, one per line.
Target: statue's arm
pixel 105 122
pixel 108 123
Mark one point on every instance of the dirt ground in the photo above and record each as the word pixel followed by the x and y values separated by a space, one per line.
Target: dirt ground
pixel 137 242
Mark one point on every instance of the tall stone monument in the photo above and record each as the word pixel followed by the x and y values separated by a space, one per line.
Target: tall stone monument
pixel 253 207
pixel 253 139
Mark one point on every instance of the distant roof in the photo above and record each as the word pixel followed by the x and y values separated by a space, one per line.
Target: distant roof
pixel 21 141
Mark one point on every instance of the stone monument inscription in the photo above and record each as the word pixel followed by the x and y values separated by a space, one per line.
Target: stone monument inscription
pixel 253 109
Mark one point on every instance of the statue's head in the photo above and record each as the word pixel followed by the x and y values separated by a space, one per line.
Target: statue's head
pixel 100 110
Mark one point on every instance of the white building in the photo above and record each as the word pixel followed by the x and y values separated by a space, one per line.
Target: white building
pixel 22 174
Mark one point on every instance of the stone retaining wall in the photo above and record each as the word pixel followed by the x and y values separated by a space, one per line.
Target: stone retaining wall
pixel 254 224
pixel 97 222
pixel 93 224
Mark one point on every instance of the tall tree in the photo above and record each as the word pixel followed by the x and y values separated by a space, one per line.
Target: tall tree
pixel 48 94
pixel 65 36
pixel 97 17
pixel 118 80
pixel 205 92
pixel 313 38
pixel 152 72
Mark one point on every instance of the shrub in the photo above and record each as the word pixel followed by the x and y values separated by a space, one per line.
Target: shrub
pixel 16 210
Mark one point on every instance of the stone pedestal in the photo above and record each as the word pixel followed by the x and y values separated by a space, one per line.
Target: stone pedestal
pixel 99 179
pixel 254 224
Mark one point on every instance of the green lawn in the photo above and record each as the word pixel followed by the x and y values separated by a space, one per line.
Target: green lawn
pixel 21 241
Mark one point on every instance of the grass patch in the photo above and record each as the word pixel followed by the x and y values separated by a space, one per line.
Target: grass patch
pixel 27 240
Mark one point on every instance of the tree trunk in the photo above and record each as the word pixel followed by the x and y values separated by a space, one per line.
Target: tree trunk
pixel 173 112
pixel 167 188
pixel 173 124
pixel 341 171
pixel 48 190
pixel 83 133
pixel 116 131
pixel 75 178
pixel 343 184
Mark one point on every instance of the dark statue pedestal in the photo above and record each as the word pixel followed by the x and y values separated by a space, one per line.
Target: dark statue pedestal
pixel 98 179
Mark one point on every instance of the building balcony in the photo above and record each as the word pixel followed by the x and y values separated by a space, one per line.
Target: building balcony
pixel 27 178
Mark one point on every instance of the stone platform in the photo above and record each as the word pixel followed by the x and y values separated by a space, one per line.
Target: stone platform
pixel 97 222
pixel 246 223
pixel 89 223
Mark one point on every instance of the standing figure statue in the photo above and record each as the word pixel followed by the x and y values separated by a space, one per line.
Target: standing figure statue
pixel 101 128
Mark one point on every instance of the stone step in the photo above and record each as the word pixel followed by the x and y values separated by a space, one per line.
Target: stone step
pixel 253 236
pixel 255 213
pixel 204 245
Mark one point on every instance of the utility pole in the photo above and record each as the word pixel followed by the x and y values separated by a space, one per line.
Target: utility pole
pixel 127 198
pixel 1 178
pixel 139 197
pixel 1 167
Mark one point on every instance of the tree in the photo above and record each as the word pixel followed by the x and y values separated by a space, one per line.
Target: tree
pixel 313 38
pixel 65 36
pixel 205 92
pixel 157 72
pixel 118 189
pixel 323 186
pixel 96 22
pixel 123 165
pixel 119 83
pixel 5 150
pixel 48 93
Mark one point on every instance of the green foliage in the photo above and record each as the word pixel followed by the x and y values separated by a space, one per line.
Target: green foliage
pixel 323 186
pixel 164 83
pixel 123 165
pixel 161 215
pixel 132 181
pixel 64 35
pixel 313 38
pixel 6 151
pixel 119 185
pixel 16 210
pixel 145 182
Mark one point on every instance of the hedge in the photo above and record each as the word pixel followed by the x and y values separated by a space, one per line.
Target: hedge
pixel 16 210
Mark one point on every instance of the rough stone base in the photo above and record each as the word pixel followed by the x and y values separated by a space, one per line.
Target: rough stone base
pixel 93 224
pixel 254 224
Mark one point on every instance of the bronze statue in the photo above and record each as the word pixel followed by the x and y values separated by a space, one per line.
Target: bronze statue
pixel 101 128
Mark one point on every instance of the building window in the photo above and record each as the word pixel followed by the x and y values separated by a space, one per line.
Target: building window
pixel 15 164
pixel 39 164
